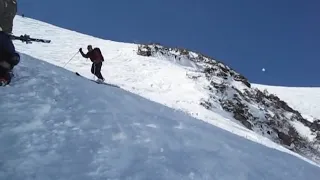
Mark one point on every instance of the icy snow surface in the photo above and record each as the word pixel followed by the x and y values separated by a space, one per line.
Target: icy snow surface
pixel 56 125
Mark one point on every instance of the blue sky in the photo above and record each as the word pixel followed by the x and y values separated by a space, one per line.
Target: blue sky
pixel 282 36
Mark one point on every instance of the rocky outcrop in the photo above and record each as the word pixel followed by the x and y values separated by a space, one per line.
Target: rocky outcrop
pixel 144 51
pixel 209 66
pixel 257 110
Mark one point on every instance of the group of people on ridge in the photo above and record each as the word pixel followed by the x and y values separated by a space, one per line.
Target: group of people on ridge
pixel 9 58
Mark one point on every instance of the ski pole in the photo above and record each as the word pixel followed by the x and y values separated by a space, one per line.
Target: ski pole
pixel 71 59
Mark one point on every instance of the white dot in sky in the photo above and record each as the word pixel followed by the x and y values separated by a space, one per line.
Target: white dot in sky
pixel 263 69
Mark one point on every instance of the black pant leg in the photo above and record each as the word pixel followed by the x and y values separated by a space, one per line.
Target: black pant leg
pixel 98 70
pixel 92 68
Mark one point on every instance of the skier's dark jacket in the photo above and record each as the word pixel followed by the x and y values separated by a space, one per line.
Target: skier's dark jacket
pixel 8 53
pixel 95 55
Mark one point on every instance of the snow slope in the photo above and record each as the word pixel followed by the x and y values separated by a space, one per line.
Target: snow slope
pixel 304 99
pixel 55 125
pixel 149 77
pixel 153 78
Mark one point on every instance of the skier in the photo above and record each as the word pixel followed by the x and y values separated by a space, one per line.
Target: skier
pixel 8 56
pixel 96 57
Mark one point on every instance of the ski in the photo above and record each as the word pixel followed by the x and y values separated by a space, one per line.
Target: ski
pixel 104 83
pixel 28 40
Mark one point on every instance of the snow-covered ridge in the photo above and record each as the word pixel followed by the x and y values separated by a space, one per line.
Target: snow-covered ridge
pixel 304 99
pixel 257 110
pixel 162 78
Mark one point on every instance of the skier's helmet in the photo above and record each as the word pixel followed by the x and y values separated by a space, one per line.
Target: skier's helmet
pixel 89 47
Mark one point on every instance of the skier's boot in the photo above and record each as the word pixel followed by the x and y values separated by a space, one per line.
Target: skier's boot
pixel 100 80
pixel 3 82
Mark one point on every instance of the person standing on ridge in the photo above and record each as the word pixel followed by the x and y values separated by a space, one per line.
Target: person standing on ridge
pixel 8 55
pixel 96 58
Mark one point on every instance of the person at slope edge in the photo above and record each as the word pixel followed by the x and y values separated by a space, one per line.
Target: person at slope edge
pixel 96 57
pixel 8 58
pixel 8 55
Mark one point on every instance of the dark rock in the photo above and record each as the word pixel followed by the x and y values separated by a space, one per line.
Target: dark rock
pixel 242 79
pixel 285 139
pixel 315 126
pixel 144 51
pixel 247 124
pixel 184 52
pixel 220 87
pixel 206 104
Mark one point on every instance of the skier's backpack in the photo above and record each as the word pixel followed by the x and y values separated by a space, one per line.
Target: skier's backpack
pixel 100 54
